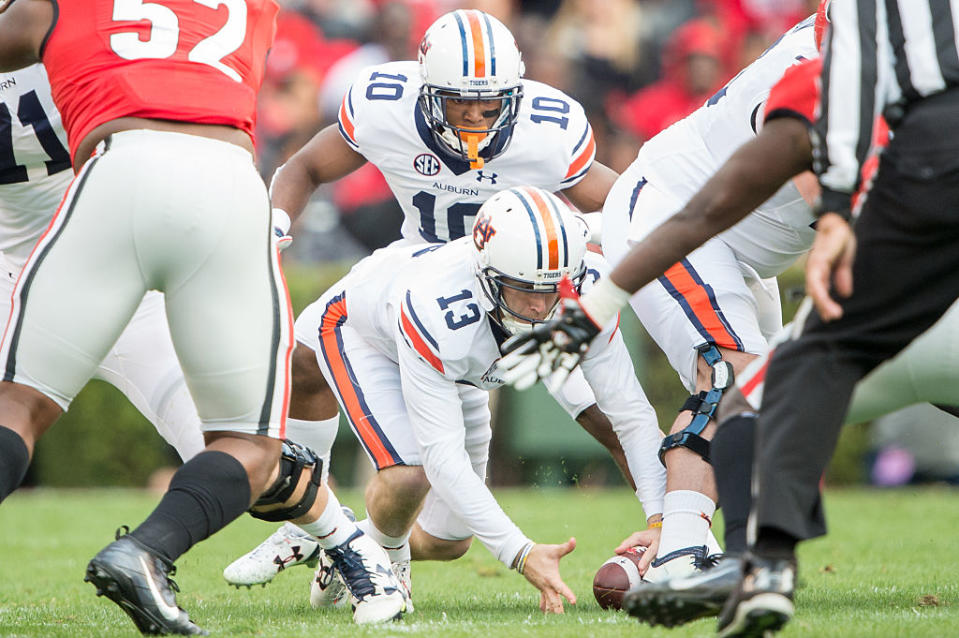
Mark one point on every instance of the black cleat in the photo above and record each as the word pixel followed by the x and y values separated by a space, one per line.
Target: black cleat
pixel 678 601
pixel 139 582
pixel 762 602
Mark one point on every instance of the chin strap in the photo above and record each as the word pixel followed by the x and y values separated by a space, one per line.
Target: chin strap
pixel 703 406
pixel 472 150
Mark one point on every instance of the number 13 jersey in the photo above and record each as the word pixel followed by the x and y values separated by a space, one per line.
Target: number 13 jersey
pixel 552 147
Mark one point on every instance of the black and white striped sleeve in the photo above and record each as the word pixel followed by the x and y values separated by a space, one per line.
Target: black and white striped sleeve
pixel 853 96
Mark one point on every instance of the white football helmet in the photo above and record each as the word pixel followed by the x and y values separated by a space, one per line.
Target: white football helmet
pixel 526 239
pixel 470 55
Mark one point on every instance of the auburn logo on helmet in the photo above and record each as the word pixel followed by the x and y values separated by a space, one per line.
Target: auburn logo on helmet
pixel 483 231
pixel 425 44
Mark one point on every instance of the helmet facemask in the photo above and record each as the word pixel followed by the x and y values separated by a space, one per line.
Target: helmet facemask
pixel 494 282
pixel 463 141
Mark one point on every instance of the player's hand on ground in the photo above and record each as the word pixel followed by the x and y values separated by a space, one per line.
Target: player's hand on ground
pixel 830 262
pixel 542 571
pixel 648 538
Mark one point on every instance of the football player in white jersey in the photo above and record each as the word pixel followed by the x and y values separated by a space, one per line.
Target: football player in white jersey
pixel 713 311
pixel 409 341
pixel 447 132
pixel 35 171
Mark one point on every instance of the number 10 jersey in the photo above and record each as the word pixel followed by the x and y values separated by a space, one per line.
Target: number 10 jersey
pixel 552 147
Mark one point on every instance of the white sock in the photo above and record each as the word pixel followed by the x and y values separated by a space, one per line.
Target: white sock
pixel 687 516
pixel 332 528
pixel 397 547
pixel 316 435
pixel 713 544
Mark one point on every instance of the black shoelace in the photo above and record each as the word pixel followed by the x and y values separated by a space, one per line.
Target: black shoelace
pixel 354 574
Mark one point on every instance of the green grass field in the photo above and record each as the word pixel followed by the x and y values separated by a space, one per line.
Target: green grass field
pixel 888 568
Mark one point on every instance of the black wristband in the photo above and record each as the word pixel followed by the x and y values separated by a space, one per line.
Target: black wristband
pixel 831 201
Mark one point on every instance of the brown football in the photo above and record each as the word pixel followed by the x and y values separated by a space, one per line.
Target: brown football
pixel 617 576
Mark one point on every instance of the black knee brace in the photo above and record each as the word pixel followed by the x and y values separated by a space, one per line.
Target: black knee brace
pixel 702 405
pixel 300 469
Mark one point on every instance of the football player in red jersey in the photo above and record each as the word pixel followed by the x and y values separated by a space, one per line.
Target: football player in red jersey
pixel 158 103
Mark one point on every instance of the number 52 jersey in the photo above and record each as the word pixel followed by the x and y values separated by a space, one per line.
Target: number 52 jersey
pixel 552 147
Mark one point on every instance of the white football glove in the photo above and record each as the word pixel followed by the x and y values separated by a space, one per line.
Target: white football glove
pixel 281 229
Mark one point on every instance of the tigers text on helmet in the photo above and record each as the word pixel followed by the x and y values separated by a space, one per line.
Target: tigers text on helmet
pixel 526 241
pixel 470 55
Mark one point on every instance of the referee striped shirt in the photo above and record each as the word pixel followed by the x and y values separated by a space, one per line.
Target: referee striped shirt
pixel 879 53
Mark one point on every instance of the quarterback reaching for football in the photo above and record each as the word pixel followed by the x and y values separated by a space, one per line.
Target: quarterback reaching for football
pixel 447 131
pixel 409 342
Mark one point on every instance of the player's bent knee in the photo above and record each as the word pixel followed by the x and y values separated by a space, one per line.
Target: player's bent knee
pixel 295 489
pixel 703 406
pixel 425 546
pixel 408 479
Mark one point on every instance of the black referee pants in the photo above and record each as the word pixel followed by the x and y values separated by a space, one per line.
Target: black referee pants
pixel 905 276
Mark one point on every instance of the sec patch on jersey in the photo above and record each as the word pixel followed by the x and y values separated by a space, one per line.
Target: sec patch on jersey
pixel 617 576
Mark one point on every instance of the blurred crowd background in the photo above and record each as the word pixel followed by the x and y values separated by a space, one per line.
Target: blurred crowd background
pixel 636 66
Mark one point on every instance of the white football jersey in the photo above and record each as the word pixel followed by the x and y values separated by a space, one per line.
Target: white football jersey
pixel 680 159
pixel 424 307
pixel 34 161
pixel 552 147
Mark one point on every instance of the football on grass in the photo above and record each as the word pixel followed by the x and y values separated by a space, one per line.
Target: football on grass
pixel 616 577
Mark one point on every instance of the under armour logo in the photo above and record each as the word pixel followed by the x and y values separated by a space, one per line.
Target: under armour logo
pixel 480 177
pixel 281 562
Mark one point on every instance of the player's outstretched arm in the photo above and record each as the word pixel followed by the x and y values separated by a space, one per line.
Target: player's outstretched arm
pixel 749 177
pixel 23 25
pixel 325 158
pixel 541 568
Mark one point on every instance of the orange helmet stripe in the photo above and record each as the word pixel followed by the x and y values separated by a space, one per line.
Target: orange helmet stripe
pixel 552 237
pixel 479 50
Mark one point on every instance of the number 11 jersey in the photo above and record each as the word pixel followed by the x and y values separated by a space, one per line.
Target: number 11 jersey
pixel 552 147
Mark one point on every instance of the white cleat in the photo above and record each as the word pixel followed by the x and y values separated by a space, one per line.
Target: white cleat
pixel 679 564
pixel 402 572
pixel 286 547
pixel 327 588
pixel 375 592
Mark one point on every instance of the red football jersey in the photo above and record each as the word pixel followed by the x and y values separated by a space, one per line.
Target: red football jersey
pixel 797 92
pixel 797 95
pixel 198 61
